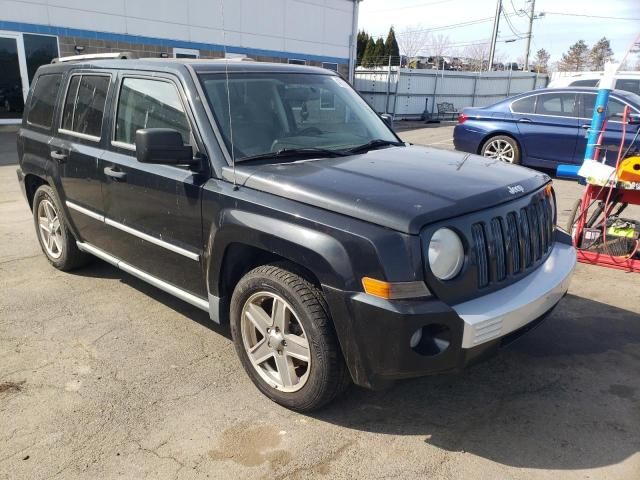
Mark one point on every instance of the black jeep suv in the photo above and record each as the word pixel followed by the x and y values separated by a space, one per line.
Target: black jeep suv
pixel 273 197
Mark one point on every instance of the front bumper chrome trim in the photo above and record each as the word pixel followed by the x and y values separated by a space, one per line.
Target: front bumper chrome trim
pixel 499 313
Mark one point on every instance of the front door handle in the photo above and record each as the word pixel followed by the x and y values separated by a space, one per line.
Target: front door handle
pixel 114 172
pixel 58 156
pixel 585 126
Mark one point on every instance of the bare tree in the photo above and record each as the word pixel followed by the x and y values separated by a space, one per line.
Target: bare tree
pixel 477 55
pixel 439 45
pixel 412 41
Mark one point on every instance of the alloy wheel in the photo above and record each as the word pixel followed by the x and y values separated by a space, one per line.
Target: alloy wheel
pixel 500 150
pixel 275 341
pixel 50 229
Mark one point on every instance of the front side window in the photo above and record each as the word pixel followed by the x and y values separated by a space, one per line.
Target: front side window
pixel 84 106
pixel 615 107
pixel 43 100
pixel 559 104
pixel 632 86
pixel 270 112
pixel 145 103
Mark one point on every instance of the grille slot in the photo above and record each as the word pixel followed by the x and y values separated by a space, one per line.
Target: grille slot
pixel 498 248
pixel 480 248
pixel 511 244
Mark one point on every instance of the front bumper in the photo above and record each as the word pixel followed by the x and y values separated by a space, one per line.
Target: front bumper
pixel 375 334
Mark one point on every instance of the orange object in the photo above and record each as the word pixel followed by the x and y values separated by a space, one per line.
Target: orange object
pixel 629 170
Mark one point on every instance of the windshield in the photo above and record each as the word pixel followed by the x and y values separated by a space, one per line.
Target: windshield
pixel 272 112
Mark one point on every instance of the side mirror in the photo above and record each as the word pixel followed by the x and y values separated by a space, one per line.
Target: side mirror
pixel 388 119
pixel 162 145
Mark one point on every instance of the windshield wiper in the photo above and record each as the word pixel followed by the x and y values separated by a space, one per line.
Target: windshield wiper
pixel 373 144
pixel 295 153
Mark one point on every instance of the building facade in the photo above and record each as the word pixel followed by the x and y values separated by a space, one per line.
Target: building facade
pixel 33 32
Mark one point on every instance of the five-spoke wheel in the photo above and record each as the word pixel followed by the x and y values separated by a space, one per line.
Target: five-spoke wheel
pixel 49 228
pixel 285 338
pixel 275 341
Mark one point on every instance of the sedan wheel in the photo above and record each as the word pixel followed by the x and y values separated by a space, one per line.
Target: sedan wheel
pixel 275 342
pixel 502 148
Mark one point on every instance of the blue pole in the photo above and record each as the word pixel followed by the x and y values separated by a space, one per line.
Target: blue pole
pixel 597 120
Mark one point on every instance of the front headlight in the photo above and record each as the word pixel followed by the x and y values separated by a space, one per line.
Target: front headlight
pixel 446 254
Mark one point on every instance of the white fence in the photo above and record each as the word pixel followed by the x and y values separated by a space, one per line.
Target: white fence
pixel 415 93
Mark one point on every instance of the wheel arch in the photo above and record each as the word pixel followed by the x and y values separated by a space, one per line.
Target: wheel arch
pixel 31 183
pixel 249 240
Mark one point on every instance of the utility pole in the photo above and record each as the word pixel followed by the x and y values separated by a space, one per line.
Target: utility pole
pixel 526 53
pixel 494 34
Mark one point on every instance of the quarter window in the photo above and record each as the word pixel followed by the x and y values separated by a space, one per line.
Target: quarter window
pixel 43 100
pixel 524 105
pixel 147 103
pixel 84 105
pixel 560 104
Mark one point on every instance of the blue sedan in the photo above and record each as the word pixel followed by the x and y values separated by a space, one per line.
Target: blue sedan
pixel 542 128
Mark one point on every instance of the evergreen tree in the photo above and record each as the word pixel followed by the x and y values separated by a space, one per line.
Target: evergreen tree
pixel 541 61
pixel 391 48
pixel 600 54
pixel 379 57
pixel 576 59
pixel 363 39
pixel 367 57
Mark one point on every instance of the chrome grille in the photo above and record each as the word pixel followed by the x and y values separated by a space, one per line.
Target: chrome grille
pixel 513 243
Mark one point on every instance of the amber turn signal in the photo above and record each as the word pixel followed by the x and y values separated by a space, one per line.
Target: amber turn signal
pixel 394 290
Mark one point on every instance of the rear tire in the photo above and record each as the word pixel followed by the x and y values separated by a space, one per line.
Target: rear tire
pixel 52 229
pixel 503 148
pixel 292 357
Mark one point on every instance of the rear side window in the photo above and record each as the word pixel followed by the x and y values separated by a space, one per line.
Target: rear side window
pixel 43 100
pixel 585 83
pixel 84 105
pixel 524 105
pixel 559 104
pixel 145 103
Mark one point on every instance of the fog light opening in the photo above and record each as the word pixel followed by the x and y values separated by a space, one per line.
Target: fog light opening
pixel 430 340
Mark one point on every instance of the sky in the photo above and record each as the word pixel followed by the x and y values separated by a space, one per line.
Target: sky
pixel 553 32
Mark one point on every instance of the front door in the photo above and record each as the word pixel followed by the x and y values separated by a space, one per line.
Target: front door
pixel 613 130
pixel 12 79
pixel 153 211
pixel 549 135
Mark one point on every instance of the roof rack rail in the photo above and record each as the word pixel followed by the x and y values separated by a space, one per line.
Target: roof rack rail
pixel 95 56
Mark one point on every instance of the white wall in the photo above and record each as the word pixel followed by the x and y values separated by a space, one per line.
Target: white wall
pixel 314 27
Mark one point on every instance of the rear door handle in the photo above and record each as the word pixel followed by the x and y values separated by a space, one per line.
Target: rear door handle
pixel 58 156
pixel 114 172
pixel 524 120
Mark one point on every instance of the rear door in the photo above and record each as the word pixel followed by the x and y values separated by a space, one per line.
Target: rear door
pixel 77 148
pixel 549 134
pixel 614 128
pixel 154 211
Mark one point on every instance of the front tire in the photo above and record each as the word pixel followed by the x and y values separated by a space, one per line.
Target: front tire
pixel 285 339
pixel 56 240
pixel 503 148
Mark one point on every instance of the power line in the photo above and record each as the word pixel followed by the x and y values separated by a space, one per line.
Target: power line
pixel 591 16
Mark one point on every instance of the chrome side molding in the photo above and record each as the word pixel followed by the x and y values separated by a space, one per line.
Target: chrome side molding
pixel 136 233
pixel 194 300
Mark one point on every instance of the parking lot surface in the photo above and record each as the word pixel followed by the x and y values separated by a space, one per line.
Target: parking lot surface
pixel 103 376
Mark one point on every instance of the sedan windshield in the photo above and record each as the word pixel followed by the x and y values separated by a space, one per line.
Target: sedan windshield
pixel 263 113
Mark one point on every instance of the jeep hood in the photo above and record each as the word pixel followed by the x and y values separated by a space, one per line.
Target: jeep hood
pixel 402 188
